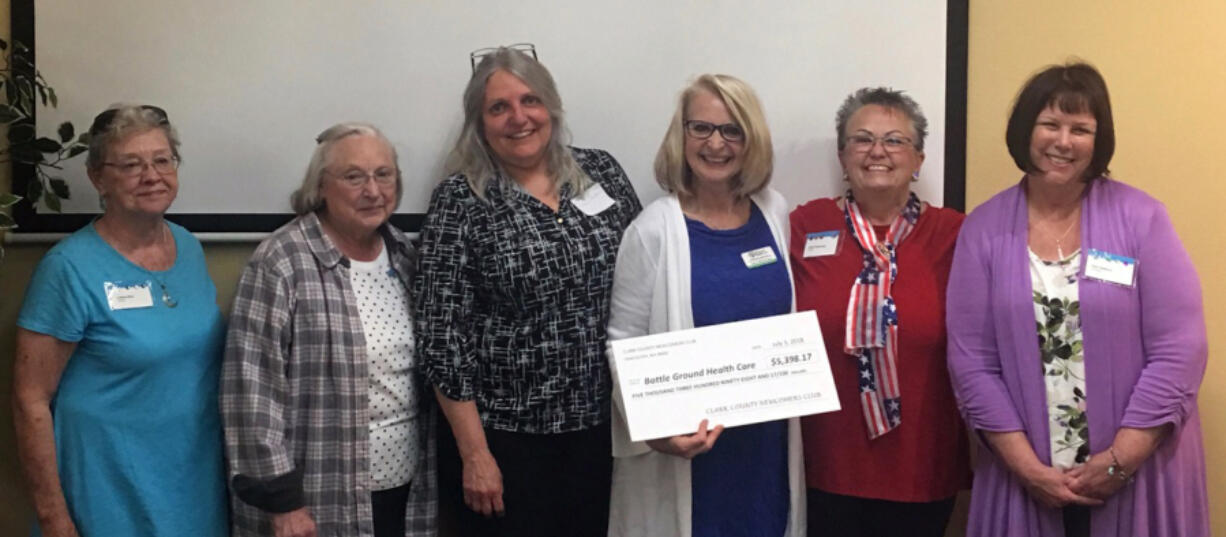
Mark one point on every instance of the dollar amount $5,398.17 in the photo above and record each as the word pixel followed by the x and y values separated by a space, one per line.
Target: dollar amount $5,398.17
pixel 791 358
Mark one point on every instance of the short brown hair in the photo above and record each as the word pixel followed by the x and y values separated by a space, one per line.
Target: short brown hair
pixel 673 172
pixel 1071 88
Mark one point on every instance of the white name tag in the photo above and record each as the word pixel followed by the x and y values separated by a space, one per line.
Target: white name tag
pixel 821 243
pixel 128 295
pixel 758 257
pixel 1111 268
pixel 593 201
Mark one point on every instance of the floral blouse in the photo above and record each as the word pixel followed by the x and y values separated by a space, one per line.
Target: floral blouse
pixel 1057 312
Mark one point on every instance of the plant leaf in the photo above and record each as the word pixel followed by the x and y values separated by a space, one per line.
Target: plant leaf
pixel 52 201
pixel 34 191
pixel 7 113
pixel 7 199
pixel 60 188
pixel 47 145
pixel 84 138
pixel 66 131
pixel 10 91
pixel 75 150
pixel 55 101
pixel 21 132
pixel 6 221
pixel 28 154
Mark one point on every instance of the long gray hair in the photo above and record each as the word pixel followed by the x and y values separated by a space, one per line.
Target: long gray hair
pixel 472 155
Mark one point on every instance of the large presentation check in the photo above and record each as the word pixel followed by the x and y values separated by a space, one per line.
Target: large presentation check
pixel 731 374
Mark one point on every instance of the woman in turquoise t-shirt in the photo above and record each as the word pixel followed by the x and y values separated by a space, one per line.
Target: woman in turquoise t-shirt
pixel 118 351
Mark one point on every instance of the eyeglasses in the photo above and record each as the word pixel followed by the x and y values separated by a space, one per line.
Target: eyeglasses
pixel 476 56
pixel 137 167
pixel 731 132
pixel 358 178
pixel 103 121
pixel 863 143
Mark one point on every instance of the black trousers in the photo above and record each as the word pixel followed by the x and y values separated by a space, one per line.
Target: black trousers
pixel 835 515
pixel 388 509
pixel 553 485
pixel 1076 521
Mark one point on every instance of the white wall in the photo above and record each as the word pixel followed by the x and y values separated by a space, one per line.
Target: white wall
pixel 250 83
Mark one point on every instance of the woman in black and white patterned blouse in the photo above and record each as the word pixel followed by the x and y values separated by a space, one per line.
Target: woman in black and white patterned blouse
pixel 512 297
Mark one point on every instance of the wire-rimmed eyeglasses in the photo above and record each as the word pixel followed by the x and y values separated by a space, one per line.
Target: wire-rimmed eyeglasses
pixel 103 121
pixel 892 143
pixel 355 178
pixel 476 56
pixel 137 167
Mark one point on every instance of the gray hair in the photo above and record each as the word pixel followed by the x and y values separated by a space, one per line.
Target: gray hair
pixel 885 97
pixel 471 155
pixel 122 120
pixel 307 198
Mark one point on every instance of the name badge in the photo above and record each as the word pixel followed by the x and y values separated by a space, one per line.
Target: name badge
pixel 1111 268
pixel 821 243
pixel 593 201
pixel 128 295
pixel 759 257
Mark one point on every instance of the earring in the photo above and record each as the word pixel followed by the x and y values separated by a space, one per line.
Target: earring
pixel 914 176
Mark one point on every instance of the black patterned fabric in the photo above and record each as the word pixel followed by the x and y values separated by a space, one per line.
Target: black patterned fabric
pixel 513 299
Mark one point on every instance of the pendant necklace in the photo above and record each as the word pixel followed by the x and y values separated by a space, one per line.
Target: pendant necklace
pixel 1060 239
pixel 168 300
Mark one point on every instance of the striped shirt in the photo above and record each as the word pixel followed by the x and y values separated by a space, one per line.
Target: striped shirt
pixel 294 390
pixel 513 298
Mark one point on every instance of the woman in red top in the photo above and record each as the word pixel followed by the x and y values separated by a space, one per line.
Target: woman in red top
pixel 874 264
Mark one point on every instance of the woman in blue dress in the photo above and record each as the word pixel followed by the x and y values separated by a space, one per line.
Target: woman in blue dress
pixel 118 353
pixel 686 262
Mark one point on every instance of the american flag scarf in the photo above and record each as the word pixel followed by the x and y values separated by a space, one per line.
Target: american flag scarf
pixel 872 320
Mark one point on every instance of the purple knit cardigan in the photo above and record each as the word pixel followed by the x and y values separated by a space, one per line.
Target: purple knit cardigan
pixel 1145 351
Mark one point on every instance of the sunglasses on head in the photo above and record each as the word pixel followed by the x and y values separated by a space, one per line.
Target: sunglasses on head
pixel 476 56
pixel 103 121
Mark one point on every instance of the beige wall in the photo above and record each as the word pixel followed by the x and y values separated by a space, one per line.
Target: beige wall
pixel 1164 67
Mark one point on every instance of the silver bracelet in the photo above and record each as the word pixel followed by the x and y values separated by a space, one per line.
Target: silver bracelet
pixel 1116 469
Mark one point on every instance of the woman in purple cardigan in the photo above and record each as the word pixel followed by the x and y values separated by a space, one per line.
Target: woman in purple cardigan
pixel 1077 337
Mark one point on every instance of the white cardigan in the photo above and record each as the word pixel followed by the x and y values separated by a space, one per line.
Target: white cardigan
pixel 651 494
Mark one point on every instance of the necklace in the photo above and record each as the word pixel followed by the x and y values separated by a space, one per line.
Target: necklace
pixel 168 300
pixel 166 238
pixel 1060 239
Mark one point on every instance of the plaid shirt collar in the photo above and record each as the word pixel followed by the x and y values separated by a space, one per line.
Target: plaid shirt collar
pixel 329 256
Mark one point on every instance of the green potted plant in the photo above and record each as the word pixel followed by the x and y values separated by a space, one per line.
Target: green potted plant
pixel 24 91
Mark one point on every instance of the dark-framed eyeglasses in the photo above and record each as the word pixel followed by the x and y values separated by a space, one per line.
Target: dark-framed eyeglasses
pixel 731 132
pixel 103 121
pixel 355 178
pixel 476 56
pixel 892 143
pixel 136 167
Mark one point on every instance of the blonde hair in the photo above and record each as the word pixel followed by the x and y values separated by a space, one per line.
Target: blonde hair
pixel 672 171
